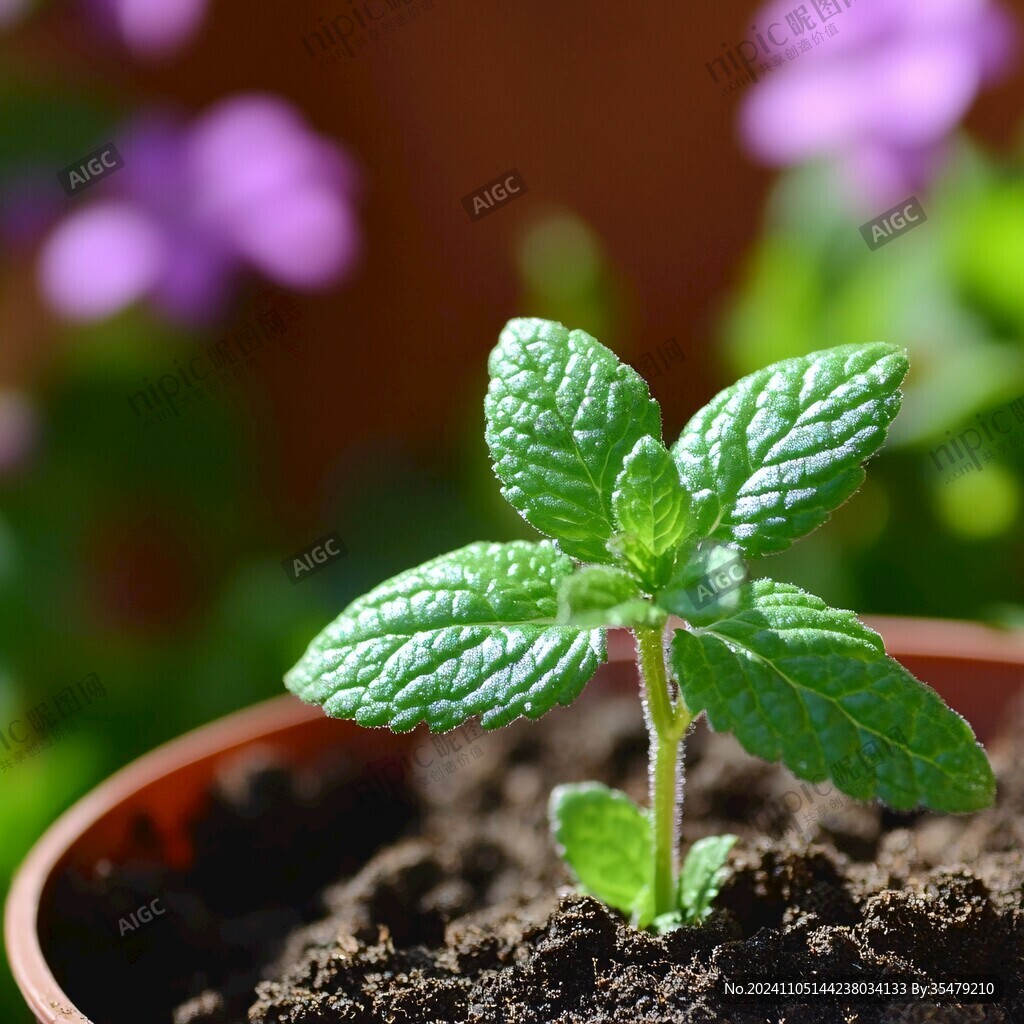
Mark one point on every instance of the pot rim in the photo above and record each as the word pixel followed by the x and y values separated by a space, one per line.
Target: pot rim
pixel 944 639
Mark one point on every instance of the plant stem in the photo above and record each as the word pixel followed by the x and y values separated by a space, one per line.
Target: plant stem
pixel 667 723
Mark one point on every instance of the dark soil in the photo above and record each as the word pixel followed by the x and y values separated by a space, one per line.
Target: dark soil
pixel 466 915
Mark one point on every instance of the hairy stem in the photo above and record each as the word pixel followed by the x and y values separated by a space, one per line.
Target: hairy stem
pixel 667 724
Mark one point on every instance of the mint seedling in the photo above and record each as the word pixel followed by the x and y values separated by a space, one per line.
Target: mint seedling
pixel 639 532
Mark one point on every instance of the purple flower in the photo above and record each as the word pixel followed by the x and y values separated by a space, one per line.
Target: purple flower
pixel 149 28
pixel 246 186
pixel 881 94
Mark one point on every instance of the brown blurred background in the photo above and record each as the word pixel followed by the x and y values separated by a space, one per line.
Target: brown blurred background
pixel 606 109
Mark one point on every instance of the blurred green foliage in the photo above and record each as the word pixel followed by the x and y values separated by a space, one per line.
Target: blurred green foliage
pixel 913 541
pixel 47 126
pixel 566 275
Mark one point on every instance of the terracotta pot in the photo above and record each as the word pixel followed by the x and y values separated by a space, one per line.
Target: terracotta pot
pixel 977 670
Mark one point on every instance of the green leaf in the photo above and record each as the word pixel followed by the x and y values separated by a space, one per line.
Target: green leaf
pixel 594 588
pixel 650 506
pixel 562 415
pixel 469 633
pixel 769 458
pixel 643 565
pixel 702 876
pixel 798 681
pixel 606 841
pixel 599 595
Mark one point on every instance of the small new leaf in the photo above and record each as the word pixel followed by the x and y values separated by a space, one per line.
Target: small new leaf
pixel 810 685
pixel 606 841
pixel 599 595
pixel 562 415
pixel 768 459
pixel 594 588
pixel 652 510
pixel 702 876
pixel 469 633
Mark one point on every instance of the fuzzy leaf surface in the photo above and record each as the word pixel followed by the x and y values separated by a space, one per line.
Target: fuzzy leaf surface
pixel 606 840
pixel 768 459
pixel 598 595
pixel 702 875
pixel 797 681
pixel 651 506
pixel 562 414
pixel 594 588
pixel 472 632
